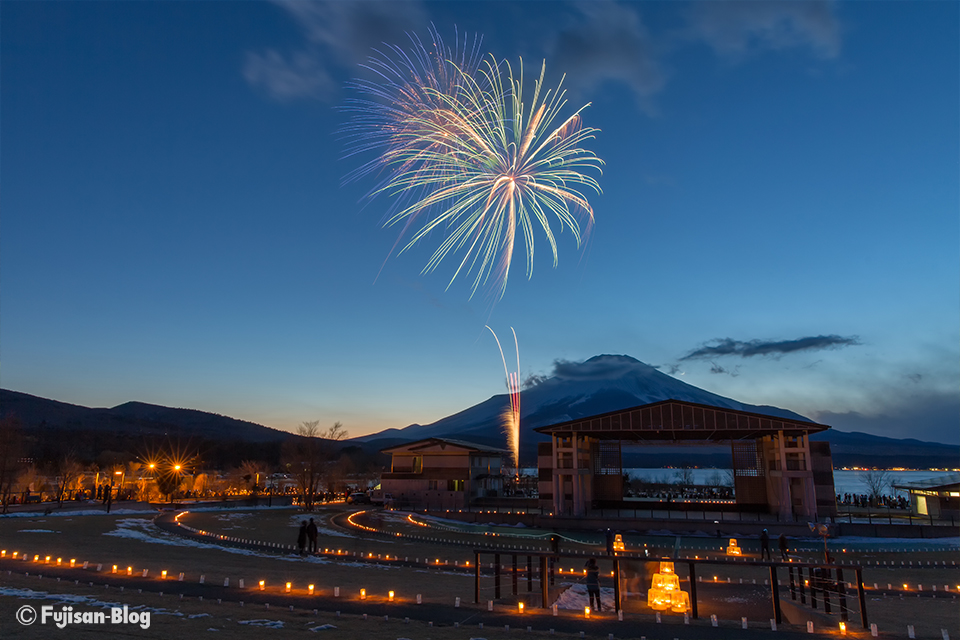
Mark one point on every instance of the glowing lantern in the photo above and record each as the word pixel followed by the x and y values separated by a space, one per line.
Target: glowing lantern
pixel 310 589
pixel 665 592
pixel 363 594
pixel 163 574
pixel 261 585
pixel 59 561
pixel 73 562
pixel 618 543
pixel 129 571
pixel 586 612
pixel 390 596
pixel 520 607
pixel 288 587
pixel 733 549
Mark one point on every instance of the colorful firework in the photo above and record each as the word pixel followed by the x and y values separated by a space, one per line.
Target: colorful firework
pixel 464 155
pixel 511 415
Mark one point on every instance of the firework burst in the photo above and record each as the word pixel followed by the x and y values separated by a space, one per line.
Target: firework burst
pixel 511 414
pixel 464 155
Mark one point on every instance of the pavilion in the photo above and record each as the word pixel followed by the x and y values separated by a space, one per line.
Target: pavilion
pixel 777 469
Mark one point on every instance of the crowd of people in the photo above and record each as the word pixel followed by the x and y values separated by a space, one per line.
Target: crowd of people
pixel 868 501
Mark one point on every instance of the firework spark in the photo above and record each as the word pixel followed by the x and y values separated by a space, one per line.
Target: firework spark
pixel 463 154
pixel 511 415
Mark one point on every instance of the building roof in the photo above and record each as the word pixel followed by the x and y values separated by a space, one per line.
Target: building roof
pixel 950 481
pixel 443 442
pixel 670 420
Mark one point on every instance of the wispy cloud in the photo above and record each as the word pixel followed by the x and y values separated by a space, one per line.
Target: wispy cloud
pixel 607 42
pixel 339 35
pixel 775 348
pixel 736 28
pixel 302 76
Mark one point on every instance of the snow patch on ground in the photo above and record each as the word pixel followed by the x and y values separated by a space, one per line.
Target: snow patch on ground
pixel 37 531
pixel 576 598
pixel 270 624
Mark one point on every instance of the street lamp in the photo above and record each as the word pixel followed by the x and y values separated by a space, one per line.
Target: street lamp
pixel 120 488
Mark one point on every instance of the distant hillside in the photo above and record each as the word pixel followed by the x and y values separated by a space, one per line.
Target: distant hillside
pixel 132 418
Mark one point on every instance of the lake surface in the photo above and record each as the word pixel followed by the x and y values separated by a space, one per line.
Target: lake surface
pixel 845 481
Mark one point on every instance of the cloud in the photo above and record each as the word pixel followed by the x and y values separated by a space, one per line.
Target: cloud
pixel 350 30
pixel 731 347
pixel 301 77
pixel 736 28
pixel 607 42
pixel 716 368
pixel 603 367
pixel 339 35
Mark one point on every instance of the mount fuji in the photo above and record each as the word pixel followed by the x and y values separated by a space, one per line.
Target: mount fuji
pixel 576 389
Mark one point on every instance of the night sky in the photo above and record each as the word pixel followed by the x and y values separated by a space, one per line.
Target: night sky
pixel 778 224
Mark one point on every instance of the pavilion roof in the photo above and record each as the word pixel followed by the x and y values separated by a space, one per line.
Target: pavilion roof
pixel 671 420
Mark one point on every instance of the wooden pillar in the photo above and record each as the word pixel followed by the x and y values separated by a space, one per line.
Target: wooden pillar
pixel 803 591
pixel 616 584
pixel 544 584
pixel 693 590
pixel 775 594
pixel 529 574
pixel 824 581
pixel 793 587
pixel 476 577
pixel 863 599
pixel 515 590
pixel 496 576
pixel 813 587
pixel 842 595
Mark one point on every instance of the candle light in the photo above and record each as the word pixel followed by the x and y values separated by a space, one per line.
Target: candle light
pixel 261 585
pixel 73 562
pixel 390 596
pixel 129 571
pixel 310 589
pixel 586 612
pixel 163 574
pixel 520 607
pixel 363 594
pixel 288 587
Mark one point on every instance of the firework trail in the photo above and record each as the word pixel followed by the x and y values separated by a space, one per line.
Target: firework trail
pixel 463 155
pixel 511 416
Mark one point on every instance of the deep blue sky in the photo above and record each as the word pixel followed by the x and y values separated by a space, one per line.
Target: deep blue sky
pixel 175 231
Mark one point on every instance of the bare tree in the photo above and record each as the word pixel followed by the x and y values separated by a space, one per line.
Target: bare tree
pixel 67 474
pixel 307 457
pixel 684 476
pixel 878 482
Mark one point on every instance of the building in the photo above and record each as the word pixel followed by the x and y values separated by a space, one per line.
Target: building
pixel 777 469
pixel 440 474
pixel 936 497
